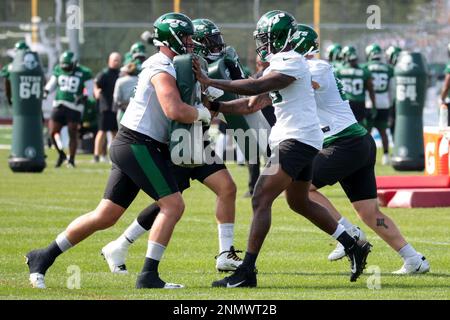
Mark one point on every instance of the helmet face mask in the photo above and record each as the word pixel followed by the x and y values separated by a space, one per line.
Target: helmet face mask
pixel 392 54
pixel 349 54
pixel 373 52
pixel 273 33
pixel 67 61
pixel 208 40
pixel 138 51
pixel 263 46
pixel 334 52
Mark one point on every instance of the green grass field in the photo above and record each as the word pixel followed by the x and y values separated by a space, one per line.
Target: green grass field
pixel 293 264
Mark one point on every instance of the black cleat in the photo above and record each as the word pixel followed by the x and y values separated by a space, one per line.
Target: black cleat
pixel 151 280
pixel 61 159
pixel 357 255
pixel 241 277
pixel 38 261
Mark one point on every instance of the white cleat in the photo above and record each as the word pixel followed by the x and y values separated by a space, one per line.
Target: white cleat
pixel 115 255
pixel 37 280
pixel 416 265
pixel 339 252
pixel 228 260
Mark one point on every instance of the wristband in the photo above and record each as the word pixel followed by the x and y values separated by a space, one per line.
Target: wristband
pixel 214 106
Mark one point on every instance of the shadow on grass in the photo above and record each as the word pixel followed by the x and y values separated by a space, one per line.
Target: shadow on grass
pixel 333 274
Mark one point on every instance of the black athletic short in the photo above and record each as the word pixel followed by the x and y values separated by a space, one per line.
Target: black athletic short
pixel 359 110
pixel 183 175
pixel 107 121
pixel 349 161
pixel 64 115
pixel 295 158
pixel 380 121
pixel 139 162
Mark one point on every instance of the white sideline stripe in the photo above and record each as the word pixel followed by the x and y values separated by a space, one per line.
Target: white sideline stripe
pixel 40 206
pixel 436 243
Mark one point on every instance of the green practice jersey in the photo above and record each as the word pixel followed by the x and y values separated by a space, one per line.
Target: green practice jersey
pixel 354 81
pixel 382 74
pixel 70 86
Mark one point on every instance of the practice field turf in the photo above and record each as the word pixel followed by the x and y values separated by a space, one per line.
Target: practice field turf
pixel 293 264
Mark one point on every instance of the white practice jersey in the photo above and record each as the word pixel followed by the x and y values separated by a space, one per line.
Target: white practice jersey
pixel 295 107
pixel 334 112
pixel 144 113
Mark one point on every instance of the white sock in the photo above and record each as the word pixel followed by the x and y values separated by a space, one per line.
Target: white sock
pixel 407 252
pixel 339 230
pixel 155 250
pixel 347 224
pixel 62 242
pixel 131 234
pixel 226 235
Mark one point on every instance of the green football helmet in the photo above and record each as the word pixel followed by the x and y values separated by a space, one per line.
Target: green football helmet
pixel 21 45
pixel 67 61
pixel 349 54
pixel 392 54
pixel 373 52
pixel 127 58
pixel 170 28
pixel 305 40
pixel 138 50
pixel 208 40
pixel 273 33
pixel 334 52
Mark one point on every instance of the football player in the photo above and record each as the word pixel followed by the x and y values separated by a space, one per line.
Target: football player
pixel 138 54
pixel 392 53
pixel 334 55
pixel 345 141
pixel 295 140
pixel 209 44
pixel 382 74
pixel 69 79
pixel 356 81
pixel 140 155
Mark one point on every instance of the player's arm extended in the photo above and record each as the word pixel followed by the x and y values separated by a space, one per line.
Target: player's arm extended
pixel 250 87
pixel 172 105
pixel 51 84
pixel 369 85
pixel 241 106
